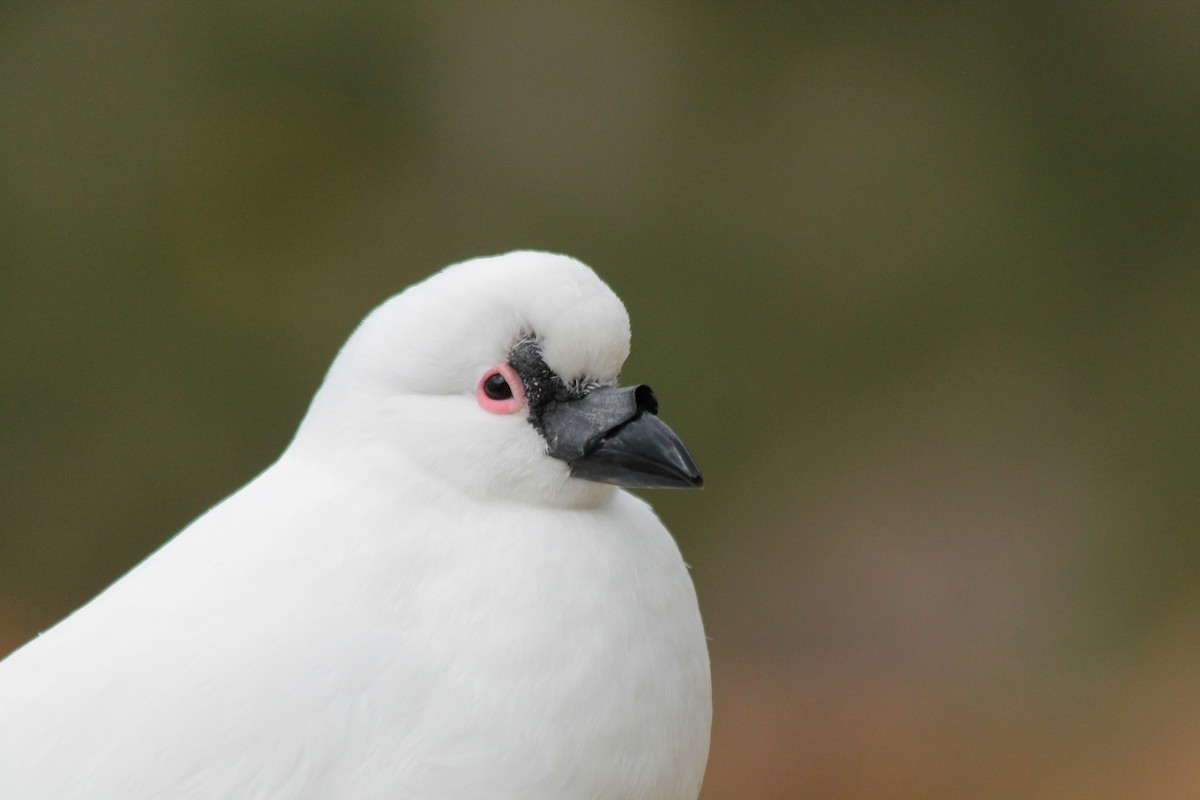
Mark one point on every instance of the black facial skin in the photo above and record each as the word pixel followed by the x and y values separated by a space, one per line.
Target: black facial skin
pixel 604 433
pixel 543 388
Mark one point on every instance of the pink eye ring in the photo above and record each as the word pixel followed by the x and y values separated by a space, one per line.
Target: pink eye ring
pixel 500 391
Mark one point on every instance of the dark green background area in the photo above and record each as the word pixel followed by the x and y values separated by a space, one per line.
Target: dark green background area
pixel 919 284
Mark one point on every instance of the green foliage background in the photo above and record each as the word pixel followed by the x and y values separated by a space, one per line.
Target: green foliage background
pixel 919 284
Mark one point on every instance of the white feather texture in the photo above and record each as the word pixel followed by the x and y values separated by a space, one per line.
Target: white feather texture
pixel 413 602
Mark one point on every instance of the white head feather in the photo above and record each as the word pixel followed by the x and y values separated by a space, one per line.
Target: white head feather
pixel 407 377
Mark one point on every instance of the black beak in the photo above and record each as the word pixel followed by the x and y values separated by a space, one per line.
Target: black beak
pixel 613 435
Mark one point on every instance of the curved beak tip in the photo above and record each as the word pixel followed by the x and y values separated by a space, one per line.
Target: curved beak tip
pixel 644 454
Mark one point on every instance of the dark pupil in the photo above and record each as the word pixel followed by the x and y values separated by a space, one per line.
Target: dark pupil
pixel 497 388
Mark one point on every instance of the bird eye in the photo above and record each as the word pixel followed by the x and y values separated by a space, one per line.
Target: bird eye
pixel 495 387
pixel 501 391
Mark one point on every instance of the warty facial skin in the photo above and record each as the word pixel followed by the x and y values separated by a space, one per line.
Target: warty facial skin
pixel 416 601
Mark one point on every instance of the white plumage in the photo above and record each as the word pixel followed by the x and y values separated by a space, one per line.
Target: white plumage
pixel 417 600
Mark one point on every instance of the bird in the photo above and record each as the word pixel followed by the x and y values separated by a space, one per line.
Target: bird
pixel 441 590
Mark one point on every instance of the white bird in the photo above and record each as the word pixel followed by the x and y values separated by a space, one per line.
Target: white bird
pixel 436 593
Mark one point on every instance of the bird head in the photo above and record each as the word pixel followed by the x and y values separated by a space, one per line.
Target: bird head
pixel 499 376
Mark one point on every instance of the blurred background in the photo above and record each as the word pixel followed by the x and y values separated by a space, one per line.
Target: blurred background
pixel 918 283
